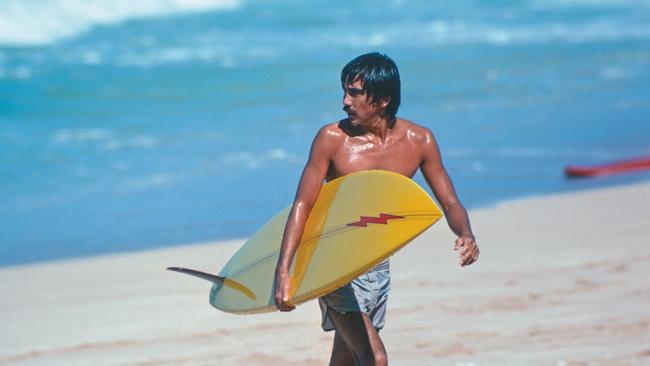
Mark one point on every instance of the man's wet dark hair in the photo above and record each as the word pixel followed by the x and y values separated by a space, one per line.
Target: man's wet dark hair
pixel 380 79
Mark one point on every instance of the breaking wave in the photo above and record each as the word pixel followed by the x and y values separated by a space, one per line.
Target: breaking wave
pixel 38 22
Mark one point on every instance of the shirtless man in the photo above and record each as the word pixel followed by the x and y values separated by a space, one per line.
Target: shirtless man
pixel 371 137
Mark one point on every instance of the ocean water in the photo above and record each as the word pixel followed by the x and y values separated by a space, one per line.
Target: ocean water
pixel 132 125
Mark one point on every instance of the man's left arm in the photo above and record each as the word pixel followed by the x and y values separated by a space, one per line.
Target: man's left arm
pixel 438 179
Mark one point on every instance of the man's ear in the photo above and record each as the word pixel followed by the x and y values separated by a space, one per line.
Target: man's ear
pixel 385 102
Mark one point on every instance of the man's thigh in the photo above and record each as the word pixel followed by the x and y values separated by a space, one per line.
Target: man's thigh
pixel 358 333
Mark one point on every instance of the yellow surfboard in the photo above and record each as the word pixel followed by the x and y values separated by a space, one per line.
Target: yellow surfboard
pixel 357 221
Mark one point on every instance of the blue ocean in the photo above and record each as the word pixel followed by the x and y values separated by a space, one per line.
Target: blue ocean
pixel 127 125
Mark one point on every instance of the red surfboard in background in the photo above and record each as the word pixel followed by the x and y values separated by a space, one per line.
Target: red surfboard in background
pixel 617 167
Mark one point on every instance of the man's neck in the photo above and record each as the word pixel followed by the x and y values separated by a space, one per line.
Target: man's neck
pixel 380 127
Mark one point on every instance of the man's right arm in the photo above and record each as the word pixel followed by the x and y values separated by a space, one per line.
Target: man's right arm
pixel 312 178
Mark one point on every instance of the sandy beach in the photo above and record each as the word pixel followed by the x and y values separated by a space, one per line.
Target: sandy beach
pixel 562 280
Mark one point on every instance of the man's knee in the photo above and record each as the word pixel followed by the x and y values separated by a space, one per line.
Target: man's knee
pixel 381 359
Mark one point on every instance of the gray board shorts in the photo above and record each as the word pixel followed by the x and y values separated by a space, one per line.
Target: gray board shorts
pixel 367 293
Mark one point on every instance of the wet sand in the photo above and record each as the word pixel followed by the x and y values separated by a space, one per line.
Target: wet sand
pixel 562 280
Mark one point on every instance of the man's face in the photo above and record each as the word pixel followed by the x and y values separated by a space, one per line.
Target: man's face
pixel 357 105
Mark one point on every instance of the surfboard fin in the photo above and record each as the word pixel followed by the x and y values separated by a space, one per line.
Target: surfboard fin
pixel 218 280
pixel 206 276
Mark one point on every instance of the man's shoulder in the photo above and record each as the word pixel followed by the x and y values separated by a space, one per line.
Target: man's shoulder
pixel 329 135
pixel 415 130
pixel 332 127
pixel 331 131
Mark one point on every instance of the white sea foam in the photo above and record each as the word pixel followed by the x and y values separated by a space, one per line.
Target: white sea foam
pixel 445 32
pixel 46 21
pixel 23 72
pixel 376 39
pixel 555 4
pixel 136 142
pixel 226 56
pixel 461 31
pixel 103 138
pixel 173 55
pixel 65 136
pixel 17 73
pixel 254 160
pixel 277 154
pixel 91 58
pixel 149 181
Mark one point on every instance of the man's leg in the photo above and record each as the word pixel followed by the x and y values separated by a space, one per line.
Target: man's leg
pixel 356 331
pixel 341 355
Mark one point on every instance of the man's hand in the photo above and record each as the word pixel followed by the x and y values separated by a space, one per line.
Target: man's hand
pixel 468 250
pixel 282 287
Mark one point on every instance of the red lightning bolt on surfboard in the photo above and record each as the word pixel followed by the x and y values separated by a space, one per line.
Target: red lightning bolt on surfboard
pixel 382 219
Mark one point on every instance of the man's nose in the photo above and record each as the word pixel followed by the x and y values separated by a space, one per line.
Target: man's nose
pixel 346 99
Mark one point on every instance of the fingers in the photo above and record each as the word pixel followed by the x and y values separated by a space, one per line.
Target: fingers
pixel 283 306
pixel 469 251
pixel 470 257
pixel 280 302
pixel 458 244
pixel 281 298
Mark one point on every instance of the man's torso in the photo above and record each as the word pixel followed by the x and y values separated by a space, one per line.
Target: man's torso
pixel 400 152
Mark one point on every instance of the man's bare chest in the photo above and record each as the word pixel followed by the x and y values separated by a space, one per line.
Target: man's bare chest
pixel 350 158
